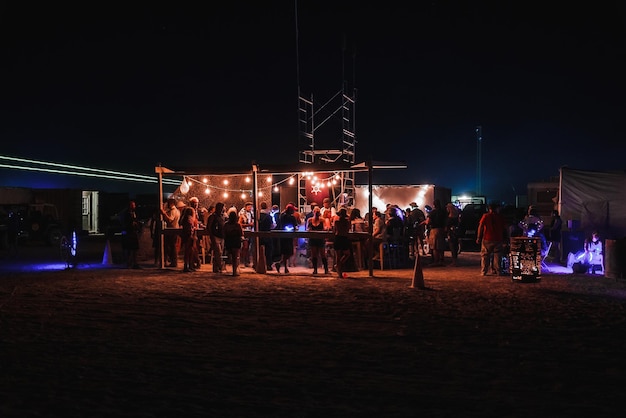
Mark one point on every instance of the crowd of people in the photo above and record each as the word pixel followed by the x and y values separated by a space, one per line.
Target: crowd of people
pixel 430 231
pixel 224 241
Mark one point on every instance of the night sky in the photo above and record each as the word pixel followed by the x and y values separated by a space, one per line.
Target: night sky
pixel 124 88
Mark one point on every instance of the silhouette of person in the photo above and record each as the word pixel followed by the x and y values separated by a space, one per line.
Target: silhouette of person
pixel 266 224
pixel 342 245
pixel 130 234
pixel 317 245
pixel 215 223
pixel 233 238
pixel 436 222
pixel 452 225
pixel 416 218
pixel 171 216
pixel 556 224
pixel 189 224
pixel 490 235
pixel 287 222
pixel 246 220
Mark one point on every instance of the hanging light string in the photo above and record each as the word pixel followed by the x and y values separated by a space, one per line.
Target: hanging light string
pixel 220 186
pixel 230 184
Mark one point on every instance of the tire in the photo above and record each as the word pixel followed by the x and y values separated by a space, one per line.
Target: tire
pixel 54 236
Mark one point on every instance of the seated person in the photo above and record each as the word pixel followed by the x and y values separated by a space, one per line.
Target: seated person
pixel 593 248
pixel 590 259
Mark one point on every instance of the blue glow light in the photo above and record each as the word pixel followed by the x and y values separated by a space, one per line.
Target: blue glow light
pixel 74 244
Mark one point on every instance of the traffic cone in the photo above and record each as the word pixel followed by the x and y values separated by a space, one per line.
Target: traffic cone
pixel 261 265
pixel 418 274
pixel 107 259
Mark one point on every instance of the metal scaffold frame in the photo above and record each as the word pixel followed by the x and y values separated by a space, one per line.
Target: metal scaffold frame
pixel 345 108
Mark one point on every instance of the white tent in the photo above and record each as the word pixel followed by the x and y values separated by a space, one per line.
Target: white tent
pixel 592 200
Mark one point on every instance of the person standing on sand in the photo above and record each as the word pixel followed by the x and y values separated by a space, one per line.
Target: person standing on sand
pixel 189 224
pixel 452 225
pixel 490 235
pixel 265 225
pixel 288 223
pixel 342 245
pixel 233 238
pixel 131 228
pixel 556 224
pixel 436 222
pixel 317 245
pixel 215 224
pixel 171 216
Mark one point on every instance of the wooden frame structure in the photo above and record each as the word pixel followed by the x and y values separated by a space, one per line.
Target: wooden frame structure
pixel 255 170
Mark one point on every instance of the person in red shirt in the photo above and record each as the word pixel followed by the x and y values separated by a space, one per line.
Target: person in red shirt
pixel 491 235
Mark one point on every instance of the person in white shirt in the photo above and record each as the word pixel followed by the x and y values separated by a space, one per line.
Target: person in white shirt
pixel 171 216
pixel 328 211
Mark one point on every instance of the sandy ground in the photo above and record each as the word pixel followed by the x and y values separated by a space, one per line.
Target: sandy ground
pixel 100 340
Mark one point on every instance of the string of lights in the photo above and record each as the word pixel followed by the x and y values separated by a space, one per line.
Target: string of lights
pixel 222 186
pixel 222 183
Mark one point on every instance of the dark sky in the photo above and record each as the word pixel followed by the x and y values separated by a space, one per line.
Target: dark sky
pixel 128 87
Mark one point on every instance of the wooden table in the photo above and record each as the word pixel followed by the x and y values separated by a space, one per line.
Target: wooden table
pixel 358 238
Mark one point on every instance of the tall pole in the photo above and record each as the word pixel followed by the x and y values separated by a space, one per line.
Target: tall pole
pixel 479 160
pixel 370 220
pixel 159 171
pixel 255 219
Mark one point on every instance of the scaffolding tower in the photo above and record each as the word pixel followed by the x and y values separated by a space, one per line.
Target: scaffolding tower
pixel 340 105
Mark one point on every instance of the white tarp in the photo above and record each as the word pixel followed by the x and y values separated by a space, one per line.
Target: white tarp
pixel 396 195
pixel 594 200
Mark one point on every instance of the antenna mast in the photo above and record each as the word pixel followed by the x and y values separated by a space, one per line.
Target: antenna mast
pixel 479 162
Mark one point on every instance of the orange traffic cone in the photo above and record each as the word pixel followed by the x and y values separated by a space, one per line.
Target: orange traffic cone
pixel 106 258
pixel 261 265
pixel 418 274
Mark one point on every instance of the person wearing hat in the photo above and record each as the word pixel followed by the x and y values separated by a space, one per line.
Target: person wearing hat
pixel 436 223
pixel 171 216
pixel 418 229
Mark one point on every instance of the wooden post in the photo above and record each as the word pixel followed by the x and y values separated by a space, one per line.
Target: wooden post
pixel 261 265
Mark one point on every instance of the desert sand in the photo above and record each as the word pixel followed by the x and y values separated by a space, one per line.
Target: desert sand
pixel 102 341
